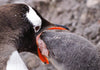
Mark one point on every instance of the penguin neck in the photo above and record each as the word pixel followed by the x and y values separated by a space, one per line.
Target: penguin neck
pixel 23 39
pixel 26 42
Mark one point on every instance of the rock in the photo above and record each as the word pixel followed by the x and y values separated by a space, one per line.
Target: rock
pixel 2 2
pixel 83 17
pixel 91 3
pixel 92 32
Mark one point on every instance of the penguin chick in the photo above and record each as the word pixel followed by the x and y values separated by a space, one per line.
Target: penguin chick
pixel 68 51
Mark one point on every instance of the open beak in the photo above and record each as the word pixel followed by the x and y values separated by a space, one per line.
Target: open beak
pixel 42 57
pixel 46 26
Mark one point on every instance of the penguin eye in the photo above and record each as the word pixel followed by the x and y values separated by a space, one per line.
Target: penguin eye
pixel 37 28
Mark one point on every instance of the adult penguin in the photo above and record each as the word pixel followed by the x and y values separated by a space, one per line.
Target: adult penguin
pixel 19 23
pixel 68 51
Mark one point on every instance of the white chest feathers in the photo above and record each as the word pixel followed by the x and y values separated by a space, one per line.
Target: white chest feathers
pixel 15 62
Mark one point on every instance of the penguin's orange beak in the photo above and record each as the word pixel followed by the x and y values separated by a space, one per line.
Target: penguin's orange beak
pixel 43 57
pixel 57 28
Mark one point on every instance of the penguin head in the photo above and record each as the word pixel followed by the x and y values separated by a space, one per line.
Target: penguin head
pixel 22 22
pixel 20 16
pixel 38 22
pixel 34 19
pixel 24 16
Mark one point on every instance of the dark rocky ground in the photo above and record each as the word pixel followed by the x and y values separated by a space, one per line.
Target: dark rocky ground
pixel 81 16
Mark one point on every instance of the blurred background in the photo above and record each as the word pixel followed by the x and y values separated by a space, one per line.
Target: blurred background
pixel 81 16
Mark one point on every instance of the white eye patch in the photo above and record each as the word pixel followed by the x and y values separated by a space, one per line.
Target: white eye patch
pixel 34 19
